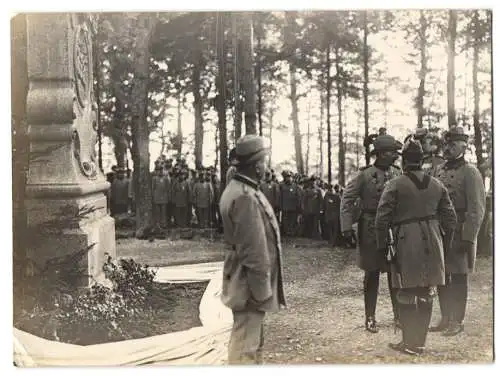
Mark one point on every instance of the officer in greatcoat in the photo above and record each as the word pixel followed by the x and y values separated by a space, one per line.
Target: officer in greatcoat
pixel 252 273
pixel 417 209
pixel 467 194
pixel 362 195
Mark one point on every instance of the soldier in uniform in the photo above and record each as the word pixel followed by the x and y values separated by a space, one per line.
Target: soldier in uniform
pixel 181 199
pixel 466 189
pixel 119 193
pixel 365 190
pixel 252 273
pixel 430 146
pixel 160 186
pixel 331 209
pixel 272 192
pixel 289 204
pixel 203 198
pixel 312 205
pixel 232 168
pixel 418 209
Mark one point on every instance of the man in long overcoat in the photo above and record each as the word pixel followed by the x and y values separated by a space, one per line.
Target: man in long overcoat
pixel 417 209
pixel 331 209
pixel 363 193
pixel 252 274
pixel 466 189
pixel 271 190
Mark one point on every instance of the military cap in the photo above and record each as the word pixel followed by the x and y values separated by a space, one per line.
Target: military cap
pixel 250 148
pixel 420 133
pixel 412 152
pixel 455 134
pixel 386 142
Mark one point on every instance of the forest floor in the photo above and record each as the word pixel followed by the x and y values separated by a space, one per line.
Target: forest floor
pixel 324 321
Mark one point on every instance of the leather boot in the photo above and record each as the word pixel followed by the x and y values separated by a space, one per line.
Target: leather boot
pixel 424 312
pixel 444 303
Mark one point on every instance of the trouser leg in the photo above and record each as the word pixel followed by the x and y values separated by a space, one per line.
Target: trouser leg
pixel 393 293
pixel 424 310
pixel 459 288
pixel 247 338
pixel 445 301
pixel 370 289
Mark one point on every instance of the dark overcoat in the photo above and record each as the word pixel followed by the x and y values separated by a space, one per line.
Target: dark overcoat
pixel 422 218
pixel 362 195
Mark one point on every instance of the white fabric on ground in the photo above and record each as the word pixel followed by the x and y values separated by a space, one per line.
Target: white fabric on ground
pixel 205 345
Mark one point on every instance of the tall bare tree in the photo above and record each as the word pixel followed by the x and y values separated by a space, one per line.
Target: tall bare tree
pixel 366 71
pixel 248 81
pixel 237 73
pixel 452 36
pixel 422 38
pixel 221 97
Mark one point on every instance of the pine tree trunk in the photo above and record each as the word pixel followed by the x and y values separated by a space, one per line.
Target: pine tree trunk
pixel 308 138
pixel 299 160
pixel 320 133
pixel 259 76
pixel 328 116
pixel 198 114
pixel 366 70
pixel 271 126
pixel 140 128
pixel 179 124
pixel 237 75
pixel 221 99
pixel 250 104
pixel 423 70
pixel 478 140
pixel 341 176
pixel 452 36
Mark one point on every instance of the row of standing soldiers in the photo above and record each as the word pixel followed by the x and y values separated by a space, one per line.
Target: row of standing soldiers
pixel 304 206
pixel 176 192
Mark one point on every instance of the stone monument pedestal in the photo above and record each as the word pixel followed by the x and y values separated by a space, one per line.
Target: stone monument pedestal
pixel 65 201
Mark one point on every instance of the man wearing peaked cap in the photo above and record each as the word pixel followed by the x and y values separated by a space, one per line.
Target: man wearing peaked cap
pixel 252 273
pixel 418 209
pixel 363 192
pixel 465 185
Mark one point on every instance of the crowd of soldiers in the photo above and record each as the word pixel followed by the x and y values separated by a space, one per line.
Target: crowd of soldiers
pixel 181 197
pixel 306 206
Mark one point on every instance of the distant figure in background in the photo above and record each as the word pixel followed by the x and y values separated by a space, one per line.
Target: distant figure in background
pixel 203 198
pixel 160 186
pixel 181 199
pixel 331 208
pixel 119 193
pixel 290 194
pixel 232 169
pixel 272 192
pixel 312 205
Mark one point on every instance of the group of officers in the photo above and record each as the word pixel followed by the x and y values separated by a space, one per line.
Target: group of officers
pixel 418 223
pixel 425 220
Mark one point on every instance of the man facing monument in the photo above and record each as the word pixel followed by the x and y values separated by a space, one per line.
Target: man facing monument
pixel 252 275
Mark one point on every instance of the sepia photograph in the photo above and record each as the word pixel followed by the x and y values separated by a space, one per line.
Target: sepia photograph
pixel 259 187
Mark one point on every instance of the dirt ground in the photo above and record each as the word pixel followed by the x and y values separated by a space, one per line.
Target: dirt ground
pixel 324 321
